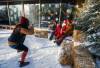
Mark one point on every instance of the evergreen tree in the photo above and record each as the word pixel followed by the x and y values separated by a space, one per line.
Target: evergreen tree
pixel 89 23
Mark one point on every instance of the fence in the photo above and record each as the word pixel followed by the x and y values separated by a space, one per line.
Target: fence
pixel 7 27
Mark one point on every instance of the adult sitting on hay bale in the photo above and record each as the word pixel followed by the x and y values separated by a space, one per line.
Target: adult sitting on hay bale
pixel 66 43
pixel 63 30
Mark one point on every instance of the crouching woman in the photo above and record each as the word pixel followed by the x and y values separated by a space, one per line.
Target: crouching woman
pixel 17 38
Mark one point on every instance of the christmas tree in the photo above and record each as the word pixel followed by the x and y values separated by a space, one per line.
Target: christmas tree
pixel 89 23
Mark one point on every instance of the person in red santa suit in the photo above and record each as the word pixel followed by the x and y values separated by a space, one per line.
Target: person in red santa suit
pixel 66 30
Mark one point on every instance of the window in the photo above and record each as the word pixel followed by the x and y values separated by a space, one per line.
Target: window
pixel 4 15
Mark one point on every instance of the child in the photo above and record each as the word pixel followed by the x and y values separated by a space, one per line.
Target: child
pixel 58 33
pixel 17 38
pixel 52 26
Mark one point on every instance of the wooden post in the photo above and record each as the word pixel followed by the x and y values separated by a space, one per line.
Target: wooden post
pixel 8 13
pixel 60 12
pixel 23 10
pixel 39 13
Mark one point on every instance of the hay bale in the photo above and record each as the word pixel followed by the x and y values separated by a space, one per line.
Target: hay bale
pixel 79 36
pixel 41 33
pixel 82 58
pixel 63 58
pixel 65 55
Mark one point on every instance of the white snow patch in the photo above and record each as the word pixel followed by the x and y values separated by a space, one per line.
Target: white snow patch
pixel 42 53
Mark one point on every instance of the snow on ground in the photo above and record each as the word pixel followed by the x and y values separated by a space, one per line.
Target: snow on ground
pixel 42 53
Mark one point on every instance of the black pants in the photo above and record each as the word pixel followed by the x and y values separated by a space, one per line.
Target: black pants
pixel 52 35
pixel 20 47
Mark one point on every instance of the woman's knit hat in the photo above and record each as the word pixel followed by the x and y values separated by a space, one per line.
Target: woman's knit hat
pixel 23 20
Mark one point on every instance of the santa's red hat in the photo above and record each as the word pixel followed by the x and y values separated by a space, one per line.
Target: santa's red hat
pixel 23 20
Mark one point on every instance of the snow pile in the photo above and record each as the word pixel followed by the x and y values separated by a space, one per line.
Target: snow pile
pixel 42 53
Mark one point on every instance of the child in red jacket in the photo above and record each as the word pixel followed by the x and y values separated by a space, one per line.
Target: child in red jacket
pixel 58 31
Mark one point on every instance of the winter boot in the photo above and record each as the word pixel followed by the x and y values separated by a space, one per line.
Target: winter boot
pixel 22 64
pixel 19 51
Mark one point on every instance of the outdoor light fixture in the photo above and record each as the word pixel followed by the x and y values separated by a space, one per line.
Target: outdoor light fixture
pixel 42 5
pixel 69 11
pixel 48 18
pixel 49 5
pixel 57 6
pixel 56 19
pixel 76 6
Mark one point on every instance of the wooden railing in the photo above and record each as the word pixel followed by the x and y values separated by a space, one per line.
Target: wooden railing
pixel 7 27
pixel 38 32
